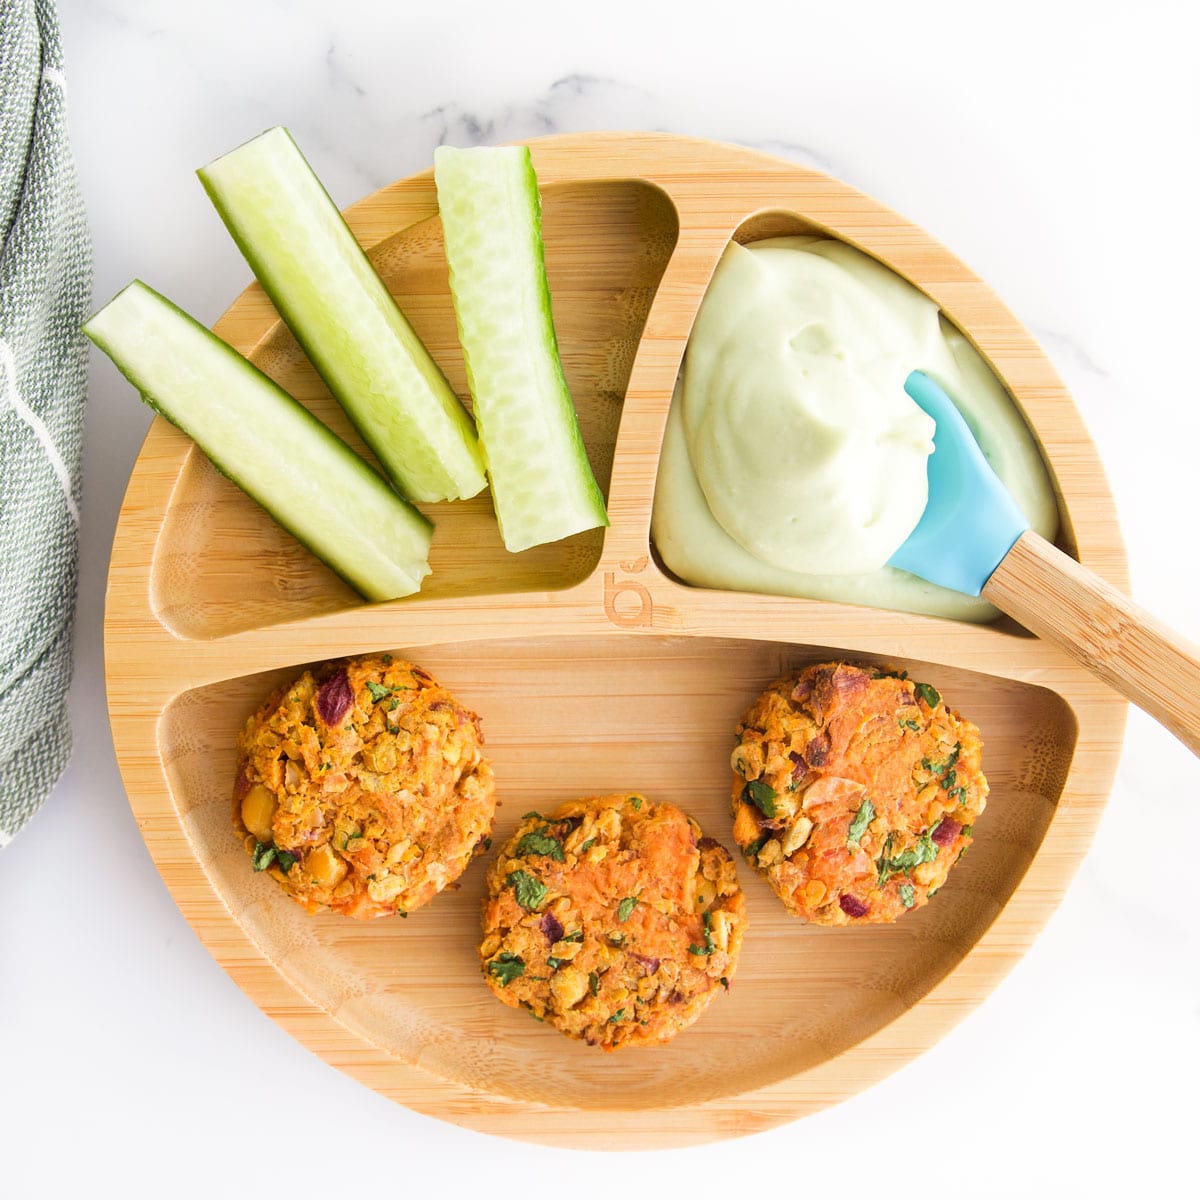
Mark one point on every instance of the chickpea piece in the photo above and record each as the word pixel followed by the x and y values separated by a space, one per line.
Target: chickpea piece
pixel 796 836
pixel 747 760
pixel 770 854
pixel 569 986
pixel 258 812
pixel 325 867
pixel 706 893
pixel 719 929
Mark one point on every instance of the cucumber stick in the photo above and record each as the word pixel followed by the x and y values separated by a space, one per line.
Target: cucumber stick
pixel 542 486
pixel 273 448
pixel 342 314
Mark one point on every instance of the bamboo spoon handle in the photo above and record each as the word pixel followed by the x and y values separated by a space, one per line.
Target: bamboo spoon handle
pixel 1054 597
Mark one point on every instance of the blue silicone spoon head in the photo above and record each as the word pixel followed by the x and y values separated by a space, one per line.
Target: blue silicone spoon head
pixel 970 522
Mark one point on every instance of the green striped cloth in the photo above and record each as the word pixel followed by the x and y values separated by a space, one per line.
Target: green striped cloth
pixel 45 290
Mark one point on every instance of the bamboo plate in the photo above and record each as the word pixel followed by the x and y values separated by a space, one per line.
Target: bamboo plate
pixel 594 670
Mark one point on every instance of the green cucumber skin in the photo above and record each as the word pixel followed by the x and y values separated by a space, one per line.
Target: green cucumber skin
pixel 498 187
pixel 350 518
pixel 404 409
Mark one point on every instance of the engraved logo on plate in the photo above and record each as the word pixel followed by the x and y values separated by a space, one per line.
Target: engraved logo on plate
pixel 628 603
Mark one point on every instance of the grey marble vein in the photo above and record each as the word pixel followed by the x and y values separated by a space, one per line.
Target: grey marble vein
pixel 1064 346
pixel 338 74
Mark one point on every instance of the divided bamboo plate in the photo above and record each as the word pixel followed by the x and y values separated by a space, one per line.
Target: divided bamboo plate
pixel 594 670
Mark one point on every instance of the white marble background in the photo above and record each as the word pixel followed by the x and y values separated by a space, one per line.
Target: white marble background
pixel 1053 146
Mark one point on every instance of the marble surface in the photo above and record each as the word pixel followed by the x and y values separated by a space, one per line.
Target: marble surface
pixel 1052 147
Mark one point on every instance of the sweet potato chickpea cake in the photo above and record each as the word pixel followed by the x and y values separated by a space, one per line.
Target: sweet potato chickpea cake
pixel 612 919
pixel 854 792
pixel 362 788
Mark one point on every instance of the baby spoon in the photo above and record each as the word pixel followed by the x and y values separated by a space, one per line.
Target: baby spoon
pixel 974 539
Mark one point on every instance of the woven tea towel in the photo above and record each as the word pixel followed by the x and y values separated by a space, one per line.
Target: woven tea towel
pixel 45 289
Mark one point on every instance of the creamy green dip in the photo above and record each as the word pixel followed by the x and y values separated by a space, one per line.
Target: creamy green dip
pixel 794 462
